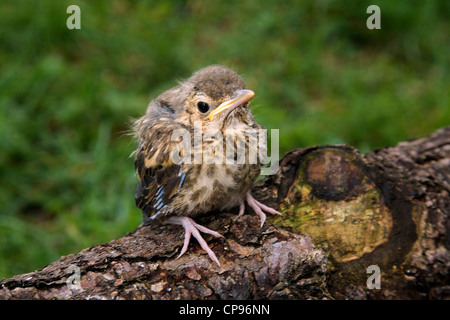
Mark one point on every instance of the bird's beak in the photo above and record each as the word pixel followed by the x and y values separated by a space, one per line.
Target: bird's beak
pixel 242 96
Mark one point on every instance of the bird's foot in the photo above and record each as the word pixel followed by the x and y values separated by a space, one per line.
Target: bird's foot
pixel 257 206
pixel 193 228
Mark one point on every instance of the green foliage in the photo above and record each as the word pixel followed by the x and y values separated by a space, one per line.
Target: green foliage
pixel 67 97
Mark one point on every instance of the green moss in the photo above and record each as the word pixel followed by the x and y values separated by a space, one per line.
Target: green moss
pixel 345 229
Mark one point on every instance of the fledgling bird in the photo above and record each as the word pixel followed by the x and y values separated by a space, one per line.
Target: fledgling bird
pixel 174 192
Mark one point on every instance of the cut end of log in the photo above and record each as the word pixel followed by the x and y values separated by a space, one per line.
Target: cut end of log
pixel 333 200
pixel 387 209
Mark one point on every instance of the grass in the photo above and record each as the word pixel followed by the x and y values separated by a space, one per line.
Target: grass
pixel 67 97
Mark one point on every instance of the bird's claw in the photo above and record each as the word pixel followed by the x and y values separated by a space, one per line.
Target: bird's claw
pixel 258 207
pixel 193 228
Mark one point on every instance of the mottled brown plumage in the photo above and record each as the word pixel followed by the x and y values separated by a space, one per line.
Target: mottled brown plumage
pixel 213 102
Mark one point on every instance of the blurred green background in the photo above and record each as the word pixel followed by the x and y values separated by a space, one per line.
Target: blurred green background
pixel 67 97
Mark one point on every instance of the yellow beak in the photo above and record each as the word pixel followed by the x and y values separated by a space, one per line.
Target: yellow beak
pixel 242 96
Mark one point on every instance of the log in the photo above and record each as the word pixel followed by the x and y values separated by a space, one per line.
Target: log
pixel 354 226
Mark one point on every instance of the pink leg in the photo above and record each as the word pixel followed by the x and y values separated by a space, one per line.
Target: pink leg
pixel 241 208
pixel 258 207
pixel 191 227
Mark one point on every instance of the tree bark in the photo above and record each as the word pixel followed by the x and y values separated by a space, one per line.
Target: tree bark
pixel 346 217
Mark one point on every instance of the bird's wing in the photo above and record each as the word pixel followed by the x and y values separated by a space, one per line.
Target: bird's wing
pixel 159 177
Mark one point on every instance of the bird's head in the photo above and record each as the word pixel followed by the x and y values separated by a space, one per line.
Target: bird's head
pixel 211 95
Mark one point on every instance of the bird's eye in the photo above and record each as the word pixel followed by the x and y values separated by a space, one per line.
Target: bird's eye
pixel 203 107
